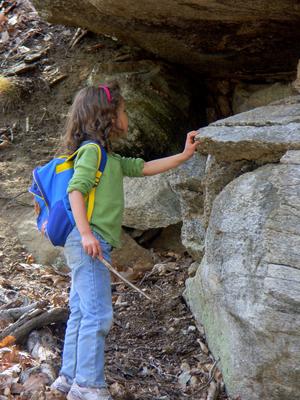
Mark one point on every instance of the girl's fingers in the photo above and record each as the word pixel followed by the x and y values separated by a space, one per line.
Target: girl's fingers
pixel 93 249
pixel 192 134
pixel 191 137
pixel 99 250
pixel 89 250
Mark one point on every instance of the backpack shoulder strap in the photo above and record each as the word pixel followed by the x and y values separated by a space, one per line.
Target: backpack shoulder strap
pixel 102 156
pixel 102 159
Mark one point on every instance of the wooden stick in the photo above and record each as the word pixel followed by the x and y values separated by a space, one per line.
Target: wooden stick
pixel 34 320
pixel 77 37
pixel 114 271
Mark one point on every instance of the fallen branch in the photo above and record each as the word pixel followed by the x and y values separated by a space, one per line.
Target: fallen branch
pixel 21 328
pixel 16 313
pixel 115 272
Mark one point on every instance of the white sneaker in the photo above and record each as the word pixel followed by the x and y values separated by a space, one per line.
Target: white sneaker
pixel 83 393
pixel 61 384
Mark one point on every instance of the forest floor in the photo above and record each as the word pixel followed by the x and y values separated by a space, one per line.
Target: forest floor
pixel 155 350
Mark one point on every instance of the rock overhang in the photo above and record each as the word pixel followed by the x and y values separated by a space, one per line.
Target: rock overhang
pixel 258 40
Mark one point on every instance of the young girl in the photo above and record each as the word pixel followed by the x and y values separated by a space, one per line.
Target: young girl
pixel 97 114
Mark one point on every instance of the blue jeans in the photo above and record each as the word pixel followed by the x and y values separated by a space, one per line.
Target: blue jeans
pixel 91 314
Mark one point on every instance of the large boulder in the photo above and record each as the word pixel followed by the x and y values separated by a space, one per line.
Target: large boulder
pixel 218 174
pixel 24 223
pixel 166 199
pixel 246 290
pixel 244 39
pixel 187 182
pixel 157 103
pixel 261 135
pixel 150 203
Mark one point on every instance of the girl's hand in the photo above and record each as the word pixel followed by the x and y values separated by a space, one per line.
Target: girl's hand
pixel 190 144
pixel 91 245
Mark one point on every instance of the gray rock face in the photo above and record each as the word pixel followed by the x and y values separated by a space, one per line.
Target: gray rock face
pixel 41 249
pixel 249 96
pixel 217 175
pixel 193 235
pixel 150 203
pixel 166 199
pixel 246 290
pixel 157 103
pixel 219 38
pixel 291 157
pixel 187 182
pixel 263 134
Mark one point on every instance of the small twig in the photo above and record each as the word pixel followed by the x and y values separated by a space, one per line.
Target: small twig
pixel 147 275
pixel 117 283
pixel 79 34
pixel 95 47
pixel 210 375
pixel 43 116
pixel 115 272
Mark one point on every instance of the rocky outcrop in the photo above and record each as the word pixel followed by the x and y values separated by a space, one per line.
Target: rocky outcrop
pixel 150 203
pixel 229 38
pixel 187 182
pixel 217 175
pixel 246 290
pixel 263 134
pixel 42 250
pixel 166 199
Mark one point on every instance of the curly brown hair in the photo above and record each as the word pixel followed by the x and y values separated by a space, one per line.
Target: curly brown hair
pixel 93 116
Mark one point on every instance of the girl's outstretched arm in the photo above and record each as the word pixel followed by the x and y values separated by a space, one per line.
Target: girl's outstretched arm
pixel 164 164
pixel 90 244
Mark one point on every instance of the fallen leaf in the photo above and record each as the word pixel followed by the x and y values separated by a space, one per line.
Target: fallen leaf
pixel 7 341
pixel 203 346
pixel 30 259
pixel 4 144
pixel 3 19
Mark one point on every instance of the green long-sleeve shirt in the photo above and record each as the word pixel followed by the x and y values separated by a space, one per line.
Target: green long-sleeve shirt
pixel 109 200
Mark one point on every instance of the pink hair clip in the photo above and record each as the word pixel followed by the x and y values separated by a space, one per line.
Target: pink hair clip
pixel 108 95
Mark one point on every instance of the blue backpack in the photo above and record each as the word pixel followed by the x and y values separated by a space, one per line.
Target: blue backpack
pixel 49 187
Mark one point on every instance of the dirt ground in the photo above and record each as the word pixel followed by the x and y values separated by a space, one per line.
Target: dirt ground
pixel 154 350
